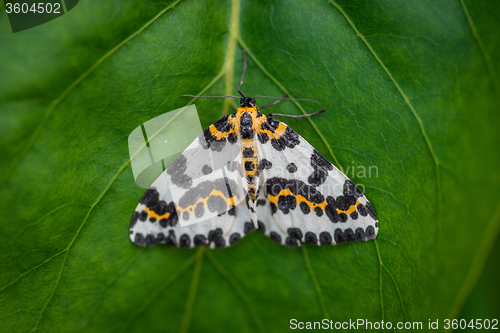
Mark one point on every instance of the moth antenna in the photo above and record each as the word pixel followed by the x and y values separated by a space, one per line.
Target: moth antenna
pixel 210 96
pixel 289 99
pixel 301 116
pixel 243 74
pixel 279 100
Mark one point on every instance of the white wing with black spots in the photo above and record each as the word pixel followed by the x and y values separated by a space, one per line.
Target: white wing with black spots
pixel 198 200
pixel 304 199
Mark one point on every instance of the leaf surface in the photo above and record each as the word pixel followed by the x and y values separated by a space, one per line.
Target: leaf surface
pixel 412 97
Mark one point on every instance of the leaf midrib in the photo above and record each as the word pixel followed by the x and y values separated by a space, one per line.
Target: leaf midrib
pixel 484 52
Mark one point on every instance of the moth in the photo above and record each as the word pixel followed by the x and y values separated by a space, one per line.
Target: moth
pixel 250 171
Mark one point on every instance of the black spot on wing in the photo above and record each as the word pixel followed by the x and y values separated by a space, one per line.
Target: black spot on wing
pixel 263 138
pixel 199 210
pixel 135 217
pixel 220 243
pixel 150 240
pixel 295 233
pixel 143 216
pixel 170 239
pixel 274 209
pixel 185 241
pixel 200 240
pixel 223 125
pixel 248 227
pixel 234 238
pixel 318 211
pixel 343 217
pixel 287 203
pixel 290 138
pixel 370 232
pixel 275 237
pixel 292 168
pixel 160 238
pixel 349 235
pixel 371 211
pixel 359 234
pixel 217 204
pixel 214 234
pixel 325 238
pixel 361 210
pixel 139 239
pixel 310 238
pixel 304 208
pixel 232 138
pixel 291 242
pixel 265 164
pixel 351 190
pixel 270 124
pixel 176 171
pixel 151 197
pixel 277 144
pixel 321 167
pixel 207 169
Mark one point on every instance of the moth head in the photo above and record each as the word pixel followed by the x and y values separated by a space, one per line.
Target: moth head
pixel 247 101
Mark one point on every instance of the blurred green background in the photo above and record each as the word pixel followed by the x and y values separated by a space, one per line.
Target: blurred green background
pixel 484 301
pixel 410 87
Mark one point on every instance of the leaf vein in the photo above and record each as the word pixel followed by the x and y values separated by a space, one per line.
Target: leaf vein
pixel 234 30
pixel 239 291
pixel 478 263
pixel 32 269
pixel 158 292
pixel 44 217
pixel 393 280
pixel 73 240
pixel 70 88
pixel 188 311
pixel 315 282
pixel 415 114
pixel 486 56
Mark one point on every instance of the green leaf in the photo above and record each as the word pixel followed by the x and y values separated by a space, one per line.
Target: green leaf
pixel 484 301
pixel 410 87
